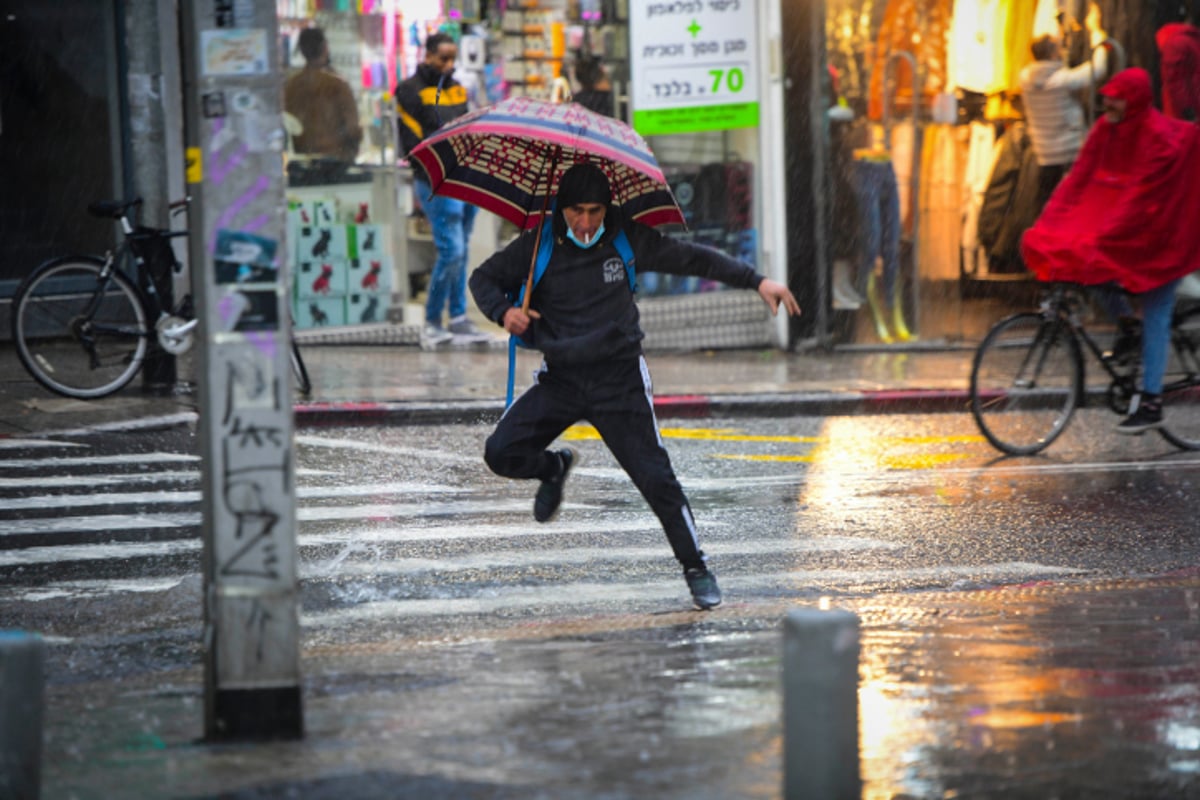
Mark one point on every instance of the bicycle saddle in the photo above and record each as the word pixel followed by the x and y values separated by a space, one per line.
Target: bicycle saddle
pixel 114 209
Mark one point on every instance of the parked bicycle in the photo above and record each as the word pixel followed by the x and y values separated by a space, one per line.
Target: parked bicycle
pixel 83 324
pixel 1028 375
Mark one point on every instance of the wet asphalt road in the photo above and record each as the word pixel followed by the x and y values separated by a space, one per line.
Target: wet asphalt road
pixel 439 620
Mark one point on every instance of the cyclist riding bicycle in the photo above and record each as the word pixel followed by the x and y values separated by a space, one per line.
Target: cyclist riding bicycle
pixel 1128 213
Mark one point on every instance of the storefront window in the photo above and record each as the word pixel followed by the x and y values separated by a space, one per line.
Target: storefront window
pixel 934 173
pixel 59 130
pixel 707 145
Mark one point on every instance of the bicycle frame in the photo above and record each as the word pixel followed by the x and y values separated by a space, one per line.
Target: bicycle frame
pixel 1063 302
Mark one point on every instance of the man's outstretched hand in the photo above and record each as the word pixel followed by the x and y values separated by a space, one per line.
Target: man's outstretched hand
pixel 774 293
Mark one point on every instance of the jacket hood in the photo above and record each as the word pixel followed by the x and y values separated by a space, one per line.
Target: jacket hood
pixel 1174 30
pixel 1133 86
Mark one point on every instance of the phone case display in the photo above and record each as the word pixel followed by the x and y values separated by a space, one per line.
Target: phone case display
pixel 341 269
pixel 532 45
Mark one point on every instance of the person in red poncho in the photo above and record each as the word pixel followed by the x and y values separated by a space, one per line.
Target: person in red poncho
pixel 1127 214
pixel 1179 62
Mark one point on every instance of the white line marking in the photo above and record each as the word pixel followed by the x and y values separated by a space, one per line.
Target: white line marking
pixel 510 598
pixel 342 565
pixel 569 593
pixel 130 458
pixel 375 447
pixel 13 444
pixel 103 551
pixel 163 497
pixel 164 421
pixel 67 481
pixel 102 523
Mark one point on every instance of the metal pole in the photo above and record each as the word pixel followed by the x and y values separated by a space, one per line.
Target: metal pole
pixel 820 705
pixel 22 660
pixel 235 138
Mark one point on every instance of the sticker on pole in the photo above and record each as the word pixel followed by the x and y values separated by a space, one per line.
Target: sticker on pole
pixel 195 165
pixel 234 51
pixel 695 65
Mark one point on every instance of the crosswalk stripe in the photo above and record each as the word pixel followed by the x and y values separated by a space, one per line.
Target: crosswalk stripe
pixel 84 461
pixel 566 593
pixel 509 598
pixel 31 444
pixel 344 567
pixel 118 478
pixel 103 523
pixel 361 537
pixel 165 497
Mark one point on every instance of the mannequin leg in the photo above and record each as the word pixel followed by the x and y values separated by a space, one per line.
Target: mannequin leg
pixel 889 217
pixel 868 187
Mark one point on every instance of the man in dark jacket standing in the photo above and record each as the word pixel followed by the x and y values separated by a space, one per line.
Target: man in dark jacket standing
pixel 583 319
pixel 425 102
pixel 323 103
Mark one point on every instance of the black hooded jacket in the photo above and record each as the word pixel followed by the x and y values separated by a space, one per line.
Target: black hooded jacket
pixel 588 313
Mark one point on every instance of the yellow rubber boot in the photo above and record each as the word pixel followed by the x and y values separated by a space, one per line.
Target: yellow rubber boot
pixel 902 332
pixel 876 312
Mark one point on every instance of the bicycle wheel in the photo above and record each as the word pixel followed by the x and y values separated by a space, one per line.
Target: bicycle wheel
pixel 1026 381
pixel 79 336
pixel 1181 387
pixel 299 371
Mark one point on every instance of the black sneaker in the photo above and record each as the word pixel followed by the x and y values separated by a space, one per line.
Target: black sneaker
pixel 703 583
pixel 1146 416
pixel 549 494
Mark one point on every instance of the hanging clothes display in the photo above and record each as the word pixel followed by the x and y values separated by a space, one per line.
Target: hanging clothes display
pixel 941 205
pixel 1010 202
pixel 980 162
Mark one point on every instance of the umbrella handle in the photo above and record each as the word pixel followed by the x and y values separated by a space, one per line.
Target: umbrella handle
pixel 537 243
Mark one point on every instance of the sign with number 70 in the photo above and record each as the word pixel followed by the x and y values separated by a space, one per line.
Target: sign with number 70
pixel 693 65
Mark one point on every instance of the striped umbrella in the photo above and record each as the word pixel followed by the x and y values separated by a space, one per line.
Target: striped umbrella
pixel 508 158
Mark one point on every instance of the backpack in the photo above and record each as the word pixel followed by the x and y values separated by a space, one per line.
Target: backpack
pixel 545 250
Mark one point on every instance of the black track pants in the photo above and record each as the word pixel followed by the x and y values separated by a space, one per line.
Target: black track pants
pixel 616 399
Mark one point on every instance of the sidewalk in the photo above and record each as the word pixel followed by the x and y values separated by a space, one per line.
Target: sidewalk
pixel 355 383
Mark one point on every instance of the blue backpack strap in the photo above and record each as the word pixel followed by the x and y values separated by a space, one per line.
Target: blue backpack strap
pixel 545 249
pixel 625 250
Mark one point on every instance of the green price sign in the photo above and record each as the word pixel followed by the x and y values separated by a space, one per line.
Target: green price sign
pixel 692 65
pixel 692 119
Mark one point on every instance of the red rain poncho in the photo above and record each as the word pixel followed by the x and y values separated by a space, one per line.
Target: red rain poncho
pixel 1179 61
pixel 1129 210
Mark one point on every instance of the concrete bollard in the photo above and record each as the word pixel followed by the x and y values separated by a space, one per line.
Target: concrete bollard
pixel 820 705
pixel 22 656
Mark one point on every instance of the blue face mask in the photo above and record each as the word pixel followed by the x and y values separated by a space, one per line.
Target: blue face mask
pixel 595 238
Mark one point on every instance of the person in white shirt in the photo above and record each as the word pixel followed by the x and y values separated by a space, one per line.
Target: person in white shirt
pixel 1054 112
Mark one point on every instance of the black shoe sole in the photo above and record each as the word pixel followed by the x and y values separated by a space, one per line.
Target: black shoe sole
pixel 1139 430
pixel 567 474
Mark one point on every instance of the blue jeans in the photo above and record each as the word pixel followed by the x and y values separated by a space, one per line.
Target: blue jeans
pixel 1157 307
pixel 451 221
pixel 878 202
